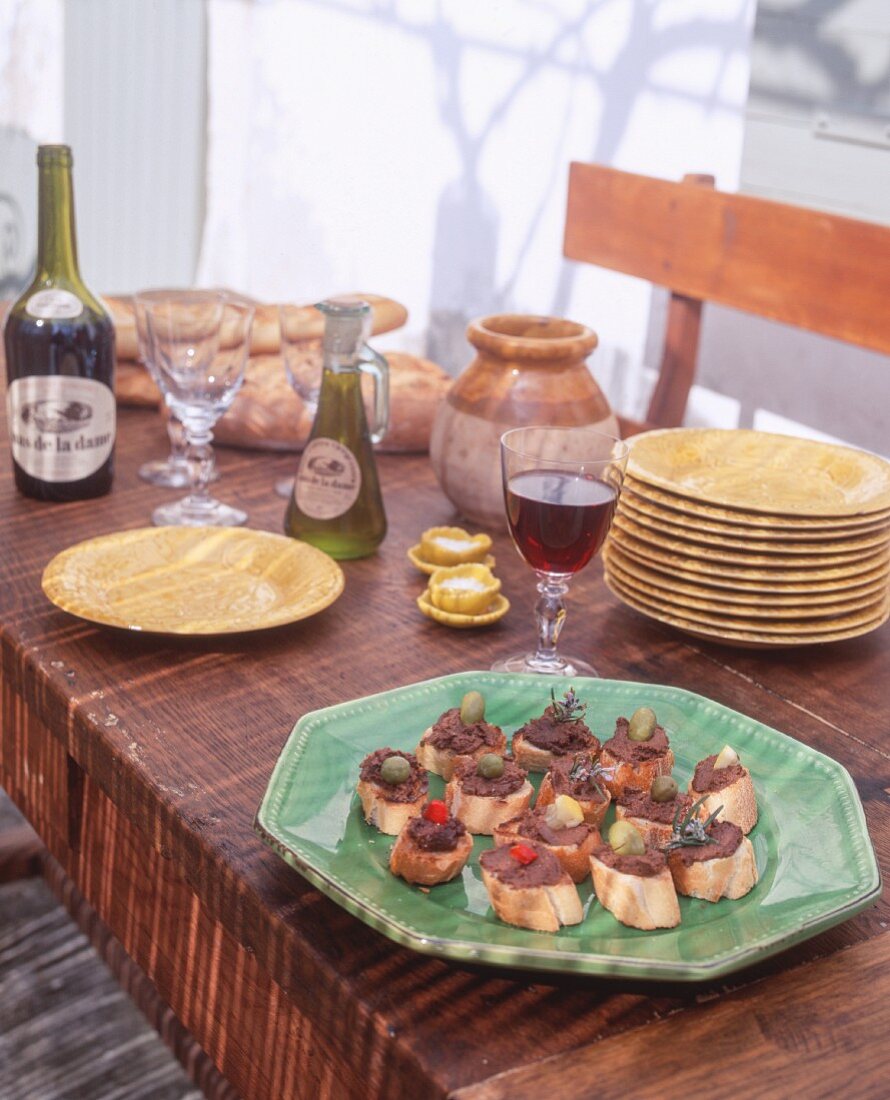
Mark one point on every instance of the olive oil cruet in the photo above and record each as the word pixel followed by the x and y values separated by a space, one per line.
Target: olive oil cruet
pixel 336 504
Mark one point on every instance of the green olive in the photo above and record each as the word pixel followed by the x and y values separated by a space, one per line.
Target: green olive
pixel 642 724
pixel 472 708
pixel 490 766
pixel 625 840
pixel 395 770
pixel 664 789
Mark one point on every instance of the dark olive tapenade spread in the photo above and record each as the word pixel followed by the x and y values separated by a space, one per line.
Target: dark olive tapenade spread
pixel 449 732
pixel 589 790
pixel 416 785
pixel 558 737
pixel 727 838
pixel 709 778
pixel 639 803
pixel 636 752
pixel 472 783
pixel 650 863
pixel 544 871
pixel 432 837
pixel 532 826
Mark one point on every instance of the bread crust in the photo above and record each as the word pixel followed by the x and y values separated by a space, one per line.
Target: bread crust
pixel 738 801
pixel 442 761
pixel 712 879
pixel 573 858
pixel 417 865
pixel 641 775
pixel 482 814
pixel 388 817
pixel 594 811
pixel 540 908
pixel 529 756
pixel 636 901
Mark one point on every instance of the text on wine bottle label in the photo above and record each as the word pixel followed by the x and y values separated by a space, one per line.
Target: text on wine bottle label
pixel 54 305
pixel 328 481
pixel 61 429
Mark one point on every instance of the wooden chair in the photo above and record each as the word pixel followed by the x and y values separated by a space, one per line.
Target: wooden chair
pixel 817 271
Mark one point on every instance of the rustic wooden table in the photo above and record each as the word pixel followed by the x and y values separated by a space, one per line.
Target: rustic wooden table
pixel 141 762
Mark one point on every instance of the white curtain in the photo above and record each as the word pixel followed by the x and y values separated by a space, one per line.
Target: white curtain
pixel 420 149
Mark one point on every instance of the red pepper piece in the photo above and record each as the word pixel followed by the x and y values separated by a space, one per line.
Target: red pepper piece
pixel 523 854
pixel 436 811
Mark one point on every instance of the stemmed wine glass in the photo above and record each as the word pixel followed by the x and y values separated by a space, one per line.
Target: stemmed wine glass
pixel 561 488
pixel 171 472
pixel 302 329
pixel 200 342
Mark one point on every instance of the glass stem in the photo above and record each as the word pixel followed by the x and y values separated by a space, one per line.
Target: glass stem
pixel 176 433
pixel 550 612
pixel 200 458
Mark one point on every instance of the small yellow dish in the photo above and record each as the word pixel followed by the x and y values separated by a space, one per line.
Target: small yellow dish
pixel 464 589
pixel 499 608
pixel 453 546
pixel 417 560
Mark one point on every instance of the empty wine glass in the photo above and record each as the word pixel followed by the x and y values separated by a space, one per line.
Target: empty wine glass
pixel 200 341
pixel 171 472
pixel 302 328
pixel 561 488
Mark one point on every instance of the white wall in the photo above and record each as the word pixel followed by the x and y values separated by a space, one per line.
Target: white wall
pixel 420 149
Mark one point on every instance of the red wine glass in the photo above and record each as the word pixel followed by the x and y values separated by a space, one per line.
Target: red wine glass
pixel 561 488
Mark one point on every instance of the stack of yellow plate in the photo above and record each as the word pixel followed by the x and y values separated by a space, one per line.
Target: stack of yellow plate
pixel 752 538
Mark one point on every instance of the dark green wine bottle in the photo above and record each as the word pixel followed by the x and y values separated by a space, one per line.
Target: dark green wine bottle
pixel 59 345
pixel 336 503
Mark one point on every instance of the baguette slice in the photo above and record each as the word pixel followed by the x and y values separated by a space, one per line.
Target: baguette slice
pixel 593 809
pixel 634 900
pixel 639 775
pixel 388 817
pixel 442 761
pixel 417 865
pixel 573 858
pixel 481 813
pixel 531 757
pixel 712 879
pixel 738 801
pixel 540 908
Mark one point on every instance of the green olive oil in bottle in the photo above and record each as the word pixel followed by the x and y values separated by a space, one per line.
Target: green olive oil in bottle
pixel 336 503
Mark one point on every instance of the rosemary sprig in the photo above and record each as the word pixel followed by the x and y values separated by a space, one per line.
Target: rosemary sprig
pixel 587 770
pixel 691 832
pixel 569 708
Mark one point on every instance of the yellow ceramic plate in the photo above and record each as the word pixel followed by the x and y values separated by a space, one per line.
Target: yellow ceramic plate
pixel 499 607
pixel 685 604
pixel 813 585
pixel 429 568
pixel 741 553
pixel 707 567
pixel 192 580
pixel 757 638
pixel 768 540
pixel 667 586
pixel 762 472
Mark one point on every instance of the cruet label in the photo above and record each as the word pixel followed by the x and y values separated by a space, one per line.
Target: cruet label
pixel 328 481
pixel 54 305
pixel 61 428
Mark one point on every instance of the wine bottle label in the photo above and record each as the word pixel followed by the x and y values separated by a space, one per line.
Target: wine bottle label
pixel 61 428
pixel 328 481
pixel 54 305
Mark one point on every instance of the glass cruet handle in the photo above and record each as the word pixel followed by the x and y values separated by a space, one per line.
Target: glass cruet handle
pixel 373 363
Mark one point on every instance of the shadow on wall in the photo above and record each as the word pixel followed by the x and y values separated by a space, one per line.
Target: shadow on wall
pixel 18 211
pixel 464 282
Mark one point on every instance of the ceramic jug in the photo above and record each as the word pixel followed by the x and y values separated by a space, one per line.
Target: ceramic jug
pixel 527 370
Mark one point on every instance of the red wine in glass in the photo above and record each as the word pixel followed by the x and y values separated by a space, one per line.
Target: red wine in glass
pixel 559 520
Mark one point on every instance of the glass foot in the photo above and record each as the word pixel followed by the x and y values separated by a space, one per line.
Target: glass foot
pixel 168 473
pixel 560 666
pixel 211 514
pixel 284 487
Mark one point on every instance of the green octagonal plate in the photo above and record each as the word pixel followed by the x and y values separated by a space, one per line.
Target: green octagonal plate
pixel 814 857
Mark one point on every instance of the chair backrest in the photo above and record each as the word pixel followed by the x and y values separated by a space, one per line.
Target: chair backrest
pixel 822 272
